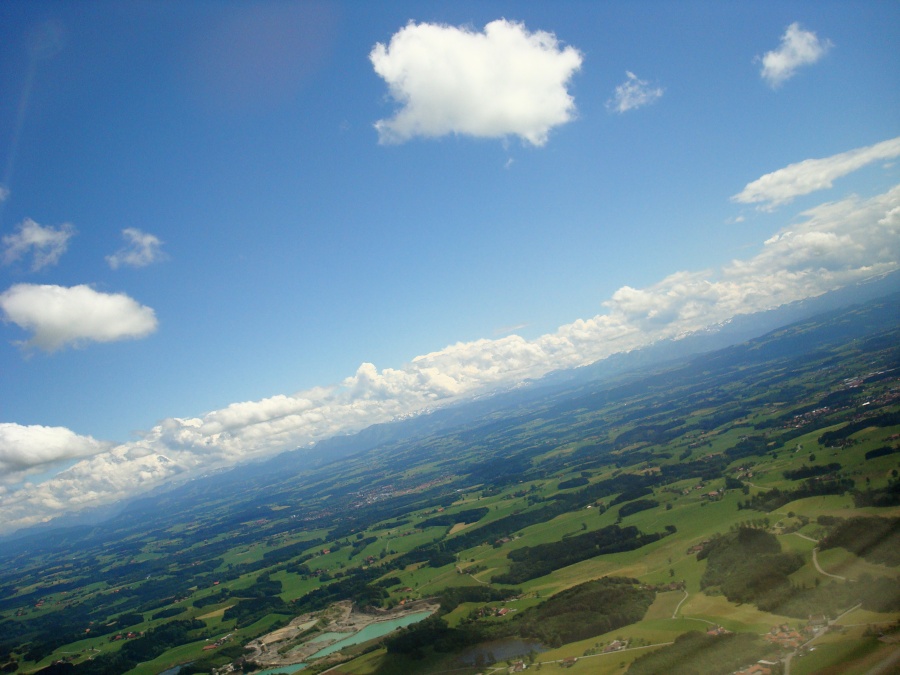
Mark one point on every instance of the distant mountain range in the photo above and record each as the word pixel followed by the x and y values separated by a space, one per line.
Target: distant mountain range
pixel 737 330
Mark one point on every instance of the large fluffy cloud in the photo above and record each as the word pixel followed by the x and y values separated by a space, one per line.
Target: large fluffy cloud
pixel 23 448
pixel 633 93
pixel 798 48
pixel 828 246
pixel 45 244
pixel 141 249
pixel 795 180
pixel 500 82
pixel 99 479
pixel 59 315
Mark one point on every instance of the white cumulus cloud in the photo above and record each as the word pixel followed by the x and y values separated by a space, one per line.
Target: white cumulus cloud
pixel 23 448
pixel 142 249
pixel 633 93
pixel 94 481
pixel 795 180
pixel 46 244
pixel 504 81
pixel 826 247
pixel 59 315
pixel 798 48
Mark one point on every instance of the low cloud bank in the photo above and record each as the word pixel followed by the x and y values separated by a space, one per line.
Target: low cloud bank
pixel 830 246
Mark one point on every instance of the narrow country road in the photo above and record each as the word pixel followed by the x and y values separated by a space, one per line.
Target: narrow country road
pixel 787 659
pixel 815 558
pixel 678 606
pixel 803 536
pixel 819 567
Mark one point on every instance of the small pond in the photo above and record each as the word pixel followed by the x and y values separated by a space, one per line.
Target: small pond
pixel 499 650
pixel 282 670
pixel 330 636
pixel 175 670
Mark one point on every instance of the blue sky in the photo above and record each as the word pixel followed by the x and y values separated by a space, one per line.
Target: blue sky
pixel 230 229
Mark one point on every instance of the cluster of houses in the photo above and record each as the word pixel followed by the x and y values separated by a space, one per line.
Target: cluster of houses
pixel 662 588
pixel 696 548
pixel 218 643
pixel 785 636
pixel 124 636
pixel 569 661
pixel 759 668
pixel 505 540
pixel 713 495
pixel 367 497
pixel 715 631
pixel 798 421
pixel 491 611
pixel 688 490
pixel 317 515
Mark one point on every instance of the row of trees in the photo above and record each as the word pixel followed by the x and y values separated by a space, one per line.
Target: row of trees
pixel 530 562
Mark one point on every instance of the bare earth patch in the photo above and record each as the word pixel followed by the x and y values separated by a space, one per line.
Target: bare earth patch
pixel 294 643
pixel 459 526
pixel 215 613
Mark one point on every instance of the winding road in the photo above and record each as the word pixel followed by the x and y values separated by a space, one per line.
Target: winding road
pixel 815 558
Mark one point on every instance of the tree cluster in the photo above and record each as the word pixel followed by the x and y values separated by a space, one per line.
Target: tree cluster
pixel 530 562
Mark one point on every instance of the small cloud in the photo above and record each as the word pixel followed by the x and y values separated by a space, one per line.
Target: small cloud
pixel 507 330
pixel 505 81
pixel 46 244
pixel 782 186
pixel 830 246
pixel 58 316
pixel 633 93
pixel 826 247
pixel 143 249
pixel 798 48
pixel 4 193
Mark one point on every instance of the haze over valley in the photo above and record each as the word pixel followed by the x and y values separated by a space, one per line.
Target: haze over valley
pixel 319 316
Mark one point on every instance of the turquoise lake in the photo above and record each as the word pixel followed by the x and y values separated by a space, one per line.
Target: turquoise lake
pixel 330 636
pixel 370 632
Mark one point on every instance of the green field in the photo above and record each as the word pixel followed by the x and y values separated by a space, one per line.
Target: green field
pixel 761 438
